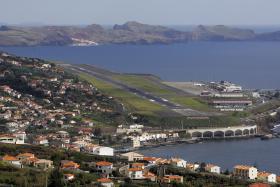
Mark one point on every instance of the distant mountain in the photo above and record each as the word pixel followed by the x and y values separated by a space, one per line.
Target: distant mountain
pixel 222 33
pixel 273 36
pixel 130 32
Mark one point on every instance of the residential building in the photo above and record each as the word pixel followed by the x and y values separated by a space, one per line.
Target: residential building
pixel 70 165
pixel 278 179
pixel 41 140
pixel 137 165
pixel 162 161
pixel 178 162
pixel 150 176
pixel 245 172
pixel 135 173
pixel 105 182
pixel 150 160
pixel 21 136
pixel 133 156
pixel 12 160
pixel 192 167
pixel 267 177
pixel 43 164
pixel 172 178
pixel 100 150
pixel 24 156
pixel 9 139
pixel 135 142
pixel 212 168
pixel 104 167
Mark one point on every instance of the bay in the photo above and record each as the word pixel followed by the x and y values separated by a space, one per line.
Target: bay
pixel 251 64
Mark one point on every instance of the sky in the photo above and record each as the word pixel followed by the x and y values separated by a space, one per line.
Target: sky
pixel 162 12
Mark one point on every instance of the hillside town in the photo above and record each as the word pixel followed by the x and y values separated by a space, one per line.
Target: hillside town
pixel 44 107
pixel 139 169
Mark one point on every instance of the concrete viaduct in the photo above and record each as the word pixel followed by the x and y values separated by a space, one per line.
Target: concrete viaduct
pixel 226 132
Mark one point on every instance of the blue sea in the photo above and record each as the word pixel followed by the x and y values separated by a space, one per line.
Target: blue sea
pixel 251 64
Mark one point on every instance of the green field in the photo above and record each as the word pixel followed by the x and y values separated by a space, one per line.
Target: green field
pixel 144 83
pixel 147 84
pixel 132 102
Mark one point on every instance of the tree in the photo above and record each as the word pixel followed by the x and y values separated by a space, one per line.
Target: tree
pixel 56 179
pixel 226 172
pixel 97 132
pixel 202 166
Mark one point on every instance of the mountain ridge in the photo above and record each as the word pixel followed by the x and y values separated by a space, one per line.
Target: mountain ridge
pixel 128 33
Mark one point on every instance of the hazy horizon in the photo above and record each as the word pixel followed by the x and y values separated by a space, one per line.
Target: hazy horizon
pixel 156 12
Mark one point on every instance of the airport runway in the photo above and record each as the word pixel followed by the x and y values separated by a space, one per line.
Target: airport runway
pixel 104 76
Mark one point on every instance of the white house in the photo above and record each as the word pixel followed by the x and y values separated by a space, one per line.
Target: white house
pixel 133 156
pixel 100 150
pixel 41 140
pixel 192 166
pixel 136 142
pixel 245 172
pixel 135 173
pixel 213 168
pixel 178 162
pixel 267 177
pixel 105 182
pixel 5 138
pixel 104 167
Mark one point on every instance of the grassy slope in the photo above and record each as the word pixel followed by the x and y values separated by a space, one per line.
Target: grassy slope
pixel 131 101
pixel 271 105
pixel 146 84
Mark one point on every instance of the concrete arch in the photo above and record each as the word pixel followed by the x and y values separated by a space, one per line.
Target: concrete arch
pixel 188 134
pixel 219 134
pixel 246 132
pixel 229 133
pixel 197 134
pixel 222 132
pixel 238 132
pixel 208 134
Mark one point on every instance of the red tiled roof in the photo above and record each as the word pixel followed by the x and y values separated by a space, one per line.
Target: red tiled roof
pixel 103 163
pixel 150 158
pixel 135 169
pixel 9 158
pixel 137 164
pixel 172 177
pixel 104 180
pixel 25 155
pixel 259 185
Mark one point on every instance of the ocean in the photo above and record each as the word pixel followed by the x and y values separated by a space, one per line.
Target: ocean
pixel 250 64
